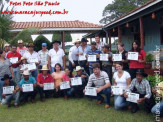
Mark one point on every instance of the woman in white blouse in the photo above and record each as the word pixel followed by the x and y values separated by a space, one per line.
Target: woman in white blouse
pixel 122 79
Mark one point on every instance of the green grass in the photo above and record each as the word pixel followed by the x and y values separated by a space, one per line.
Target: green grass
pixel 72 110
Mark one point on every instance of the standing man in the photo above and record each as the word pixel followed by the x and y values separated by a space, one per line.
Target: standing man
pixel 56 55
pixel 73 57
pixel 21 49
pixel 6 49
pixel 83 50
pixel 99 45
pixel 43 55
pixel 15 65
pixel 101 81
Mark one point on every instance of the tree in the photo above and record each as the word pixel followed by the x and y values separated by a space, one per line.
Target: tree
pixel 38 42
pixel 57 36
pixel 118 8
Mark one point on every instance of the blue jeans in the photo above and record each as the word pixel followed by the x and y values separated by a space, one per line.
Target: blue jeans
pixel 120 102
pixel 83 64
pixel 107 93
pixel 1 87
pixel 17 75
pixel 34 74
pixel 158 109
pixel 11 97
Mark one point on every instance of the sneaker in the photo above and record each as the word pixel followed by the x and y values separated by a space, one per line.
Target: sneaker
pixel 107 106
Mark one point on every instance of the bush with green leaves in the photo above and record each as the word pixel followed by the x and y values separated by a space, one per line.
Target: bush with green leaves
pixel 154 79
pixel 149 57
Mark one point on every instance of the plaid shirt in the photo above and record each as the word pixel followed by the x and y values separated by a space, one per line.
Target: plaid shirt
pixel 142 88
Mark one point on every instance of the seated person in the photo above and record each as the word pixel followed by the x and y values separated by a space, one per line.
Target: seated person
pixel 122 79
pixel 142 87
pixel 101 81
pixel 42 78
pixel 158 108
pixel 13 96
pixel 78 90
pixel 27 80
pixel 67 77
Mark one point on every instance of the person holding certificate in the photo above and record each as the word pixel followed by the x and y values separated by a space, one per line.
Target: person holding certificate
pixel 58 78
pixel 99 44
pixel 21 48
pixel 14 58
pixel 27 87
pixel 141 86
pixel 101 81
pixel 122 79
pixel 23 65
pixel 107 65
pixel 42 78
pixel 93 52
pixel 83 50
pixel 32 58
pixel 139 62
pixel 5 68
pixel 10 91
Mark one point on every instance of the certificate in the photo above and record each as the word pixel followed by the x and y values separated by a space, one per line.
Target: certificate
pixel 8 89
pixel 76 81
pixel 91 91
pixel 65 85
pixel 31 66
pixel 92 58
pixel 27 87
pixel 14 60
pixel 48 86
pixel 117 90
pixel 104 57
pixel 117 57
pixel 22 52
pixel 82 57
pixel 33 60
pixel 133 56
pixel 133 97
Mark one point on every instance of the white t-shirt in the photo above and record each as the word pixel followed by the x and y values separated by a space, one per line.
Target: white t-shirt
pixel 56 57
pixel 122 81
pixel 34 55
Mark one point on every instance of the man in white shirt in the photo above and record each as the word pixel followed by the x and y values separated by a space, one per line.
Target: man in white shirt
pixel 99 45
pixel 73 57
pixel 56 55
pixel 32 57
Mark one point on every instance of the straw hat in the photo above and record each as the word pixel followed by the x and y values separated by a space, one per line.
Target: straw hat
pixel 26 72
pixel 20 41
pixel 78 68
pixel 23 58
pixel 77 41
pixel 44 67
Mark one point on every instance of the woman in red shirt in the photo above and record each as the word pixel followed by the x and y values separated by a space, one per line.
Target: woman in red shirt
pixel 139 64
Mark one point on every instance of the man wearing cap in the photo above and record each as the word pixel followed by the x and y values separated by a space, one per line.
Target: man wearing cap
pixel 83 50
pixel 42 78
pixel 78 90
pixel 27 80
pixel 93 51
pixel 12 96
pixel 32 57
pixel 21 49
pixel 141 86
pixel 6 49
pixel 15 65
pixel 43 55
pixel 99 45
pixel 73 57
pixel 56 55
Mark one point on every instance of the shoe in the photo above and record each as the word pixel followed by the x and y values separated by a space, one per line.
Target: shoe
pixel 100 102
pixel 129 107
pixel 33 101
pixel 16 106
pixel 43 100
pixel 134 109
pixel 65 97
pixel 9 105
pixel 107 106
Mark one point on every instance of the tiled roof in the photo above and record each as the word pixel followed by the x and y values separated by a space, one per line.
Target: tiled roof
pixel 54 24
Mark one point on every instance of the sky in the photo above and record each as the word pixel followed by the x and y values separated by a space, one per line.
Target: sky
pixel 83 10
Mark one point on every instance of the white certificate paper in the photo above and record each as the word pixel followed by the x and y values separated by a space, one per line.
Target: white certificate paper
pixel 33 60
pixel 104 57
pixel 76 81
pixel 27 87
pixel 65 85
pixel 82 57
pixel 117 57
pixel 133 56
pixel 117 90
pixel 14 60
pixel 133 97
pixel 31 66
pixel 91 91
pixel 48 86
pixel 8 89
pixel 92 58
pixel 22 52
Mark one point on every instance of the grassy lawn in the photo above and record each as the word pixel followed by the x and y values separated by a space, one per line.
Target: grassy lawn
pixel 72 110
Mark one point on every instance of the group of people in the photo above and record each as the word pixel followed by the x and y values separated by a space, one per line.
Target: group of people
pixel 22 66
